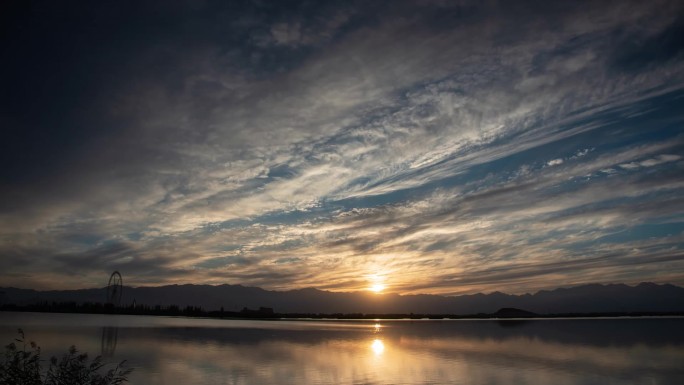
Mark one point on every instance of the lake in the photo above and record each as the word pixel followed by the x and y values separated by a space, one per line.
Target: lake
pixel 175 350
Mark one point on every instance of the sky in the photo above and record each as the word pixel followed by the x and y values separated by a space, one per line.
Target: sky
pixel 443 147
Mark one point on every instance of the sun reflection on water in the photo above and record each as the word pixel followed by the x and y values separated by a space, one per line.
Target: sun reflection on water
pixel 473 352
pixel 378 347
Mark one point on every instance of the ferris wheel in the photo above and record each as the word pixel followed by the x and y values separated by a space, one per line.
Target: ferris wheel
pixel 114 289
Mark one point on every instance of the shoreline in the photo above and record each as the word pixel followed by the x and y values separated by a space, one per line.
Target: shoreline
pixel 351 316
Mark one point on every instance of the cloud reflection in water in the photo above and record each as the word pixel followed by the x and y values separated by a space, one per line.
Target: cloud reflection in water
pixel 568 352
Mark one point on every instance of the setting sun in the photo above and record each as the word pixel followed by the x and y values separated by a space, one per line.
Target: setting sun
pixel 378 287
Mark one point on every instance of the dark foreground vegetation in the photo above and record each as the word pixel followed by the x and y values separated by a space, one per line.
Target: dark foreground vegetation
pixel 22 365
pixel 268 313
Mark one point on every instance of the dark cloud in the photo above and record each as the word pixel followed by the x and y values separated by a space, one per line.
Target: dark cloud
pixel 637 51
pixel 510 275
pixel 226 261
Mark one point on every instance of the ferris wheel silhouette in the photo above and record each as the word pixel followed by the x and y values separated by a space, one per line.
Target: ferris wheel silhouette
pixel 114 289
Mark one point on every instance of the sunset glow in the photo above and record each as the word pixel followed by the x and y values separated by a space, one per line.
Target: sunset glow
pixel 408 147
pixel 342 192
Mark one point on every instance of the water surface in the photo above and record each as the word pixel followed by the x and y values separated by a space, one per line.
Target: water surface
pixel 175 350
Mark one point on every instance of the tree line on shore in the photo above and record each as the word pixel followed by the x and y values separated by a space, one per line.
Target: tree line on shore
pixel 269 313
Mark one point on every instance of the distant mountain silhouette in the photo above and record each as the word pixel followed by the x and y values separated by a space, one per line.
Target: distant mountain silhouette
pixel 594 298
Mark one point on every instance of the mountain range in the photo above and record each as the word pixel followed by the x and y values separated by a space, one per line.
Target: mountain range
pixel 593 298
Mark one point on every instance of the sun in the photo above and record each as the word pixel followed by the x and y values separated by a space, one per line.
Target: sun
pixel 376 282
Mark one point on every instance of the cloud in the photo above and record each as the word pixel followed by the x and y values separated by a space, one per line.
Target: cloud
pixel 307 145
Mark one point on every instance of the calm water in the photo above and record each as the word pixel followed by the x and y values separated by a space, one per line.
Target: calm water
pixel 165 350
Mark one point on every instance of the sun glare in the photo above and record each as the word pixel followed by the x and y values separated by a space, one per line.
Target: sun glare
pixel 378 347
pixel 377 288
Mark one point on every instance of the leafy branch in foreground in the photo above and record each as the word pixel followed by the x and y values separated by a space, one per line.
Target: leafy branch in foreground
pixel 22 366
